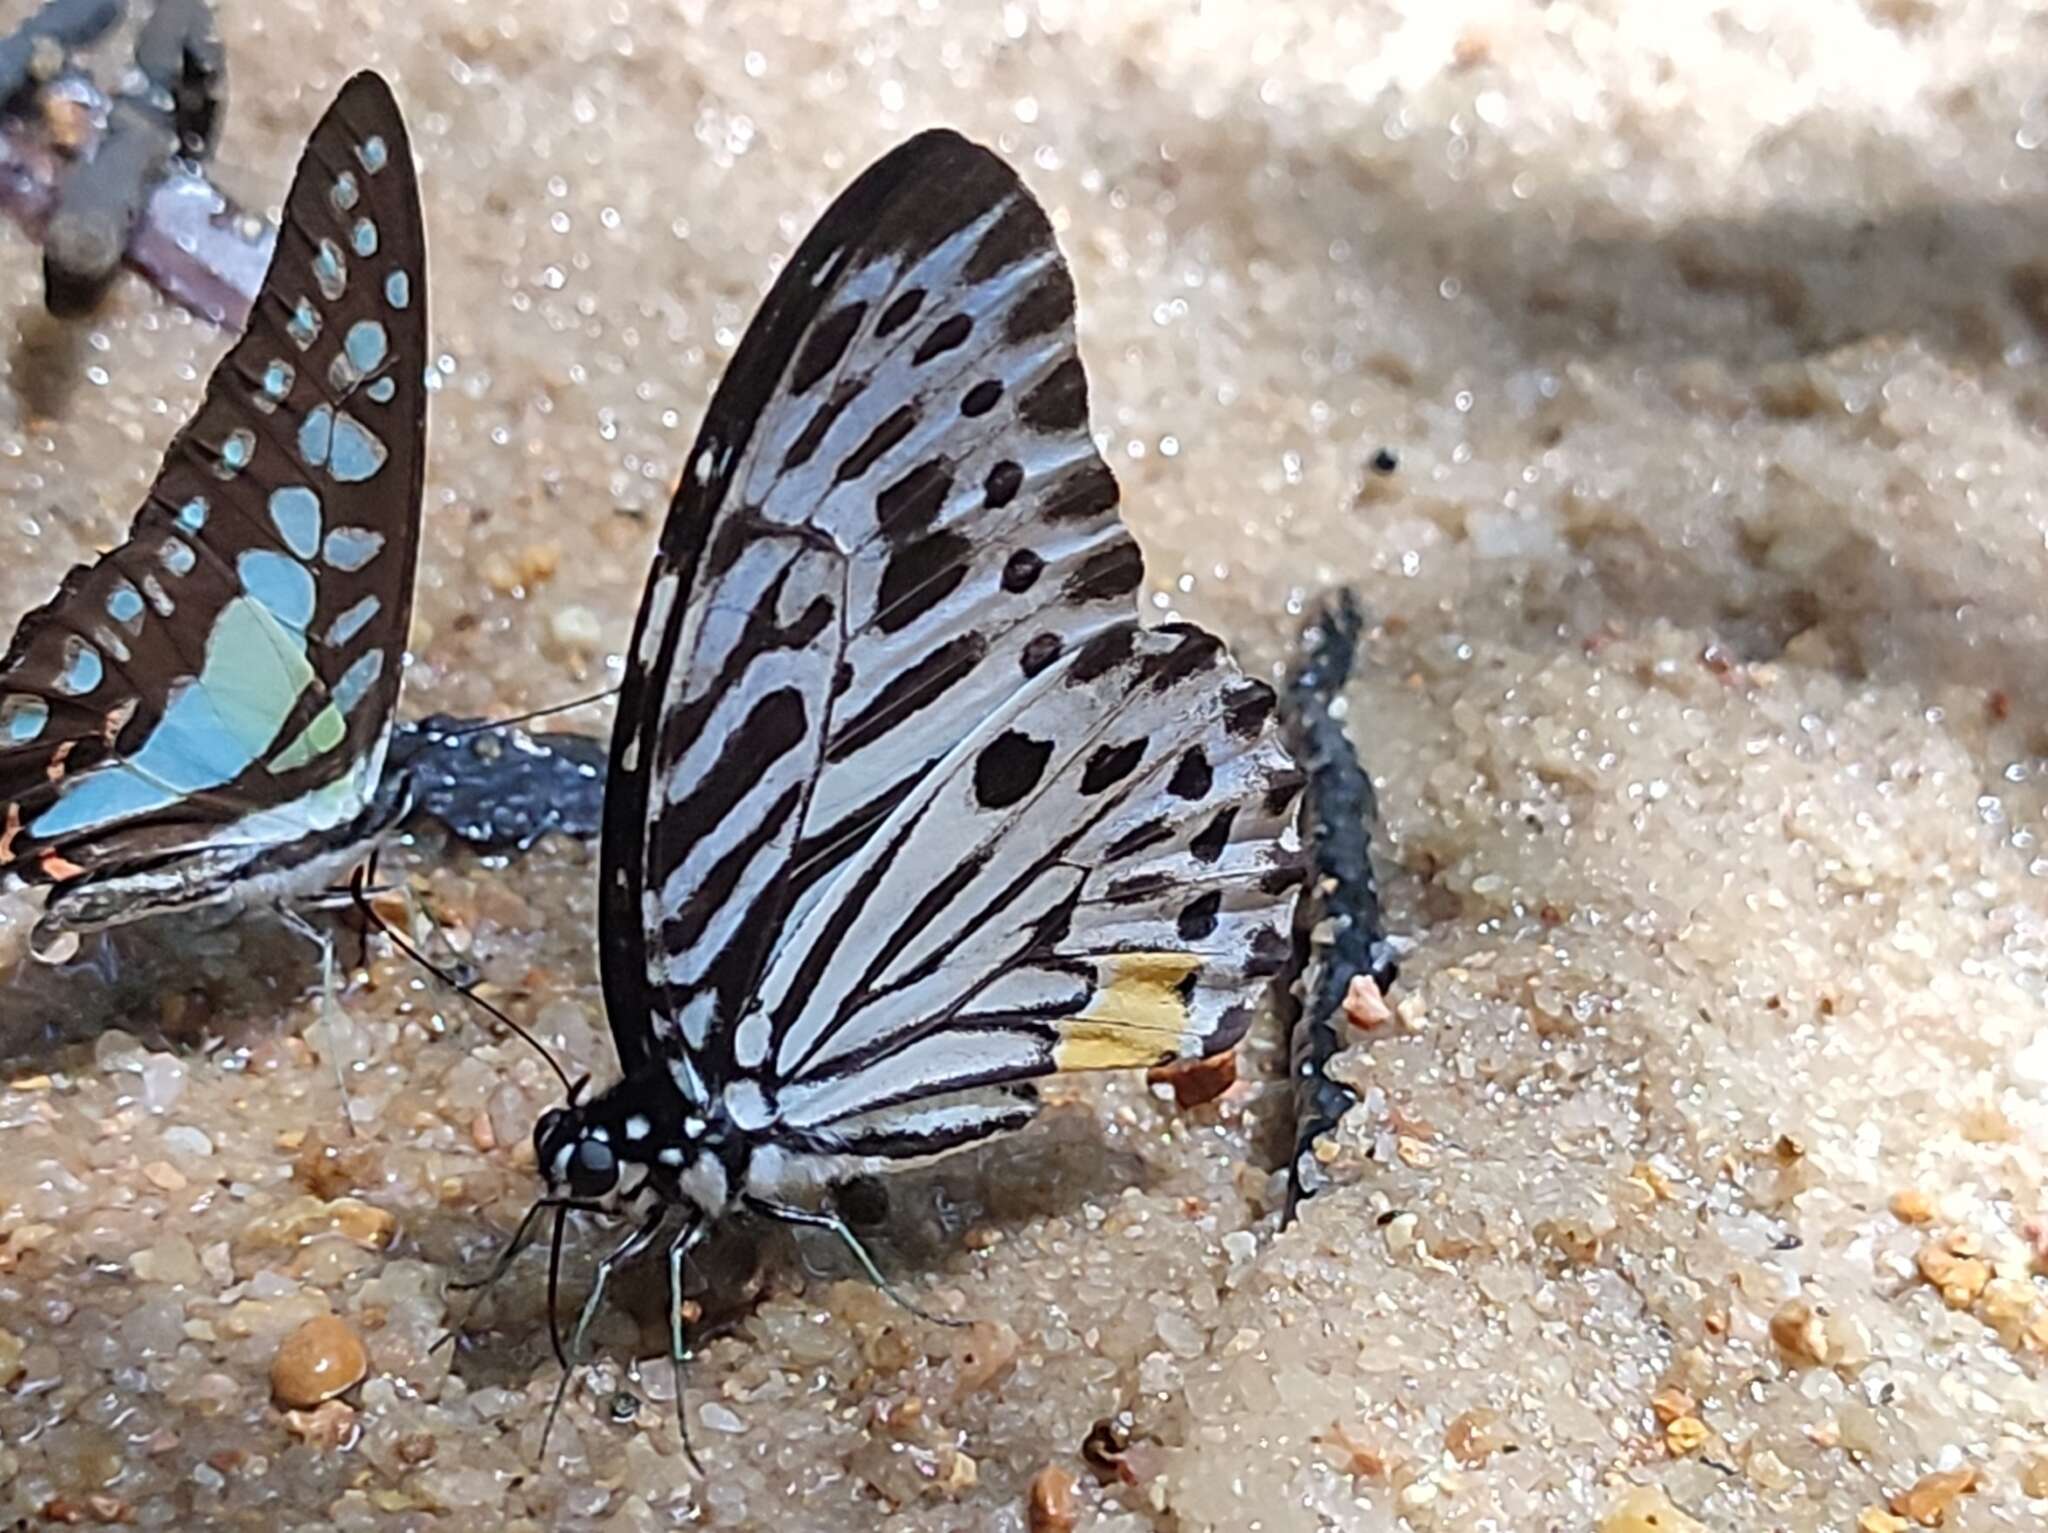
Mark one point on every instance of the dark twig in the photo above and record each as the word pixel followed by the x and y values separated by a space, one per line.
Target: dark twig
pixel 152 207
pixel 1342 924
pixel 34 52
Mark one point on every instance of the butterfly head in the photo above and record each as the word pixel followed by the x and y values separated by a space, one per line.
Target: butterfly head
pixel 577 1155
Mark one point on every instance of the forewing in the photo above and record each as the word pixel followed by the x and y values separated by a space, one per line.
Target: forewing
pixel 894 517
pixel 229 671
pixel 1100 876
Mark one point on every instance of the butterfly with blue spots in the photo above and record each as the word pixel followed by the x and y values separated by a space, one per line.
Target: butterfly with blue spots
pixel 202 717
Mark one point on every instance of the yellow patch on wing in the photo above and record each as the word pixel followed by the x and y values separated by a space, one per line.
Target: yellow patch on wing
pixel 1137 1018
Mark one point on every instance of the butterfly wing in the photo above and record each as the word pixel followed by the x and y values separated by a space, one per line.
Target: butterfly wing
pixel 227 675
pixel 894 516
pixel 1097 877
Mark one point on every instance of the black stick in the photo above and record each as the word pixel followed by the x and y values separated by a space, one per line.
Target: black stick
pixel 1343 902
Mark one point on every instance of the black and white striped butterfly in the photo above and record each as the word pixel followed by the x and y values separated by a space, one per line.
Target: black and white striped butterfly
pixel 905 809
pixel 202 716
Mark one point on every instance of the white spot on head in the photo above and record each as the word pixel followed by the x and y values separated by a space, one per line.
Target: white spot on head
pixel 693 1128
pixel 637 1127
pixel 672 1156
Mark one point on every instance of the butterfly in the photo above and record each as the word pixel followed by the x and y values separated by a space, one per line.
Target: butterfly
pixel 905 809
pixel 201 716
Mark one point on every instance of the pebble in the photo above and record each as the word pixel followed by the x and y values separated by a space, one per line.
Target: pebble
pixel 1646 1509
pixel 1051 1507
pixel 184 1139
pixel 318 1361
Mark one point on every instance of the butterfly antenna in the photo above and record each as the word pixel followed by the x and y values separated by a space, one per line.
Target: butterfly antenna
pixel 405 946
pixel 555 1327
pixel 484 726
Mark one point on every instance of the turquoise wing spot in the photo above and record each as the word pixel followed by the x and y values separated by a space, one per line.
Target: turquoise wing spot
pixel 348 549
pixel 358 452
pixel 277 380
pixel 83 668
pixel 346 193
pixel 382 391
pixel 22 718
pixel 350 623
pixel 214 727
pixel 124 603
pixel 177 556
pixel 330 272
pixel 363 238
pixel 367 343
pixel 316 435
pixel 282 584
pixel 398 290
pixel 192 515
pixel 236 452
pixel 295 512
pixel 372 153
pixel 357 680
pixel 304 325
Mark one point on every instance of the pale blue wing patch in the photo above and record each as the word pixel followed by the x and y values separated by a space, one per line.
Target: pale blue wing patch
pixel 357 680
pixel 236 452
pixel 295 512
pixel 346 193
pixel 304 325
pixel 83 669
pixel 350 623
pixel 330 271
pixel 381 391
pixel 192 515
pixel 277 383
pixel 282 584
pixel 372 153
pixel 349 549
pixel 363 238
pixel 124 604
pixel 398 290
pixel 22 718
pixel 177 557
pixel 358 451
pixel 214 727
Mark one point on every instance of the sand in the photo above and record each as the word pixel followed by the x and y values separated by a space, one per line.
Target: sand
pixel 1697 1181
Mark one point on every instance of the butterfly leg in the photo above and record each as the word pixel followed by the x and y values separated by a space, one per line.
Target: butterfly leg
pixel 625 1251
pixel 330 1020
pixel 818 1219
pixel 678 1347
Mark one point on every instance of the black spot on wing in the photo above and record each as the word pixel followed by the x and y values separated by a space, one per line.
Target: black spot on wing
pixel 1060 403
pixel 1109 765
pixel 900 312
pixel 1246 709
pixel 1039 652
pixel 1114 571
pixel 1192 778
pixel 912 503
pixel 885 436
pixel 1210 840
pixel 981 398
pixel 1019 231
pixel 805 447
pixel 918 577
pixel 1270 953
pixel 1108 649
pixel 1002 484
pixel 825 345
pixel 1008 768
pixel 1021 571
pixel 1044 308
pixel 1083 495
pixel 1281 795
pixel 1198 917
pixel 945 336
pixel 1197 651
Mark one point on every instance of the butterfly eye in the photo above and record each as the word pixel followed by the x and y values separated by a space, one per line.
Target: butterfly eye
pixel 593 1171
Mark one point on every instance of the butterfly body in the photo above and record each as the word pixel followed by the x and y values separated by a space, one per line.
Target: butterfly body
pixel 201 717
